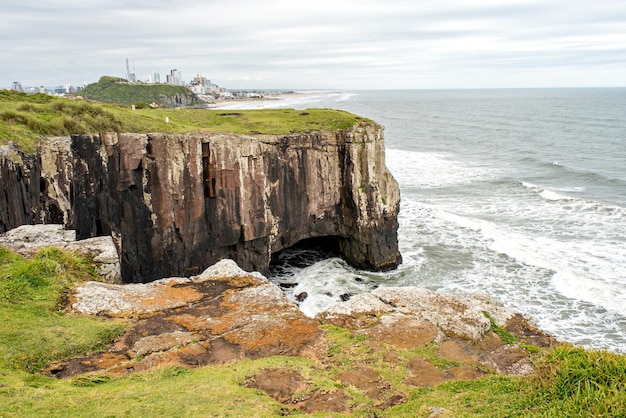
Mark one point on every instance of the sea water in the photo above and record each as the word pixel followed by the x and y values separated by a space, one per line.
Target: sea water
pixel 519 194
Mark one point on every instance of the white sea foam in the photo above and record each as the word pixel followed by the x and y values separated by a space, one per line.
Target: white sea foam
pixel 432 170
pixel 547 275
pixel 550 195
pixel 592 289
pixel 588 270
pixel 548 240
pixel 326 281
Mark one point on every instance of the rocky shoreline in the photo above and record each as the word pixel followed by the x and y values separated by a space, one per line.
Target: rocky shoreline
pixel 226 314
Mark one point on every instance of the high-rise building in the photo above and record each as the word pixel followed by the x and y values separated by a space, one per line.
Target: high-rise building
pixel 17 86
pixel 154 78
pixel 201 80
pixel 174 78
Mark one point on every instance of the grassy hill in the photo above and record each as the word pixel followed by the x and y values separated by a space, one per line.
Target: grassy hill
pixel 24 119
pixel 119 91
pixel 569 381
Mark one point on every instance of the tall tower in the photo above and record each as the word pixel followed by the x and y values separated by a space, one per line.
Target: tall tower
pixel 130 77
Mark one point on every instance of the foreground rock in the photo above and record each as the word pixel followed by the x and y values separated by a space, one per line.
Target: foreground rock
pixel 225 314
pixel 26 240
pixel 222 315
pixel 176 204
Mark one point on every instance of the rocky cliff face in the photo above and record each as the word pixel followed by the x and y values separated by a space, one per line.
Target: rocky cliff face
pixel 176 204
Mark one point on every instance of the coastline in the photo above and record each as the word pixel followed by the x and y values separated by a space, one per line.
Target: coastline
pixel 252 103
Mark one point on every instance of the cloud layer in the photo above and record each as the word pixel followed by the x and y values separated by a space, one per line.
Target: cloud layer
pixel 346 44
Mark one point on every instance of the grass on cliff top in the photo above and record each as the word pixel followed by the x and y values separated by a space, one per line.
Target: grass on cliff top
pixel 24 119
pixel 570 381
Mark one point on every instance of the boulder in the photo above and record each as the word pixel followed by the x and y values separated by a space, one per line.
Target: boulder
pixel 26 240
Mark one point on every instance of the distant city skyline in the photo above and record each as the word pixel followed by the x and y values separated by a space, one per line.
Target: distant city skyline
pixel 154 77
pixel 364 44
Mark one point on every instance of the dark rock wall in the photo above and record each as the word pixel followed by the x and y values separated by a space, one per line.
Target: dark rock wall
pixel 176 204
pixel 19 189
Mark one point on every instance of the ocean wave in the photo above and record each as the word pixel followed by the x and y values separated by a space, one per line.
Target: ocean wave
pixel 576 203
pixel 548 194
pixel 593 289
pixel 584 179
pixel 432 170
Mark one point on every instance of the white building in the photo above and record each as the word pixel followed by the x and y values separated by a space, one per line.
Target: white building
pixel 174 78
pixel 154 78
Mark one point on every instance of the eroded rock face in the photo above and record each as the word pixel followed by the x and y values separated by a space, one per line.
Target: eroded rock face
pixel 176 204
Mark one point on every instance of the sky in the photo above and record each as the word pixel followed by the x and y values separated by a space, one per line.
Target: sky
pixel 321 44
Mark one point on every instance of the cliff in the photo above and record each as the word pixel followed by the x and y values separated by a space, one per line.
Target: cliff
pixel 177 203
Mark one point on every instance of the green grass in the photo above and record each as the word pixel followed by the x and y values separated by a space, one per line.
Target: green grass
pixel 505 336
pixel 583 382
pixel 24 119
pixel 119 91
pixel 570 381
pixel 35 331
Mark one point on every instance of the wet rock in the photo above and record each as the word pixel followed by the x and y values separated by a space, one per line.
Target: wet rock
pixel 288 285
pixel 301 297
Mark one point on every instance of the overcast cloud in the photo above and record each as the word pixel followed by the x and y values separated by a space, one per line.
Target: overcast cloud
pixel 333 44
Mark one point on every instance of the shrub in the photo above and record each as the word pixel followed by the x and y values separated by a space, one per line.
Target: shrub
pixel 142 105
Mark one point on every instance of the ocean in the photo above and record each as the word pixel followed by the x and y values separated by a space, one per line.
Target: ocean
pixel 519 194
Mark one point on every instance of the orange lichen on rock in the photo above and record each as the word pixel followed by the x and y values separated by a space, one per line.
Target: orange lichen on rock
pixel 225 314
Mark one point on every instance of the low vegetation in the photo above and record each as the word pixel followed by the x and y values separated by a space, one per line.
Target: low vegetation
pixel 36 330
pixel 24 119
pixel 119 91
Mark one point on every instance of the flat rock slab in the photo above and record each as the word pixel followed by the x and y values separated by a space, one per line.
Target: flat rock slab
pixel 452 315
pixel 221 315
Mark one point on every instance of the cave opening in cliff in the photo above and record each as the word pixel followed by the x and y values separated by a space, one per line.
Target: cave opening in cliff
pixel 303 254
